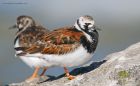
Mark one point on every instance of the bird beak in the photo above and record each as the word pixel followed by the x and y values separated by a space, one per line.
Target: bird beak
pixel 96 28
pixel 13 27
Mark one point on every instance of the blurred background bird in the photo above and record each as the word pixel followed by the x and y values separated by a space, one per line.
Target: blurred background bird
pixel 27 37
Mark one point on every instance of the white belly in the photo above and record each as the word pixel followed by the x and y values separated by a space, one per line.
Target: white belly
pixel 75 58
pixel 33 61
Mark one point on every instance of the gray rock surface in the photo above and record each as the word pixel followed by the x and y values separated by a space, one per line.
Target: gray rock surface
pixel 118 69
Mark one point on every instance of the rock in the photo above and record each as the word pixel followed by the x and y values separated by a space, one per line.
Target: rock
pixel 118 69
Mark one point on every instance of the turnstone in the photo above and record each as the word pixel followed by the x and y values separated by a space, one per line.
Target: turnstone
pixel 70 46
pixel 64 47
pixel 27 37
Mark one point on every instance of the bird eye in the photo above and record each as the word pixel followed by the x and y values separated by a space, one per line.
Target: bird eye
pixel 82 19
pixel 27 21
pixel 87 24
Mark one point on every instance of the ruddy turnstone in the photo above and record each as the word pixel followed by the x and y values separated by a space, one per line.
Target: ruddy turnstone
pixel 64 47
pixel 27 37
pixel 70 46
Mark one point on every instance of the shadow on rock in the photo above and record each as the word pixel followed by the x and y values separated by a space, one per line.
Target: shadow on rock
pixel 86 69
pixel 78 71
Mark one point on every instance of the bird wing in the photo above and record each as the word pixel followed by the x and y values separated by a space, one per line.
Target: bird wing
pixel 62 41
pixel 59 41
pixel 28 40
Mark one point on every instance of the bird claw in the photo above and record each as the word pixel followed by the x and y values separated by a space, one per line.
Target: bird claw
pixel 70 77
pixel 32 79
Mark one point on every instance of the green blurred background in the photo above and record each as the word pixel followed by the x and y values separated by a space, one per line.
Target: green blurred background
pixel 118 19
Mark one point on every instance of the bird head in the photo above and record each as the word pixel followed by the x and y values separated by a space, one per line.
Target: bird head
pixel 86 23
pixel 23 22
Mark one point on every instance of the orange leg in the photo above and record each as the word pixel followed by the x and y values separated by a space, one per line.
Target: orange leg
pixel 67 74
pixel 43 72
pixel 34 75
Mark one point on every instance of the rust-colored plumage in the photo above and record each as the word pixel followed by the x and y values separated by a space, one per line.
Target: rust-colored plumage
pixel 66 40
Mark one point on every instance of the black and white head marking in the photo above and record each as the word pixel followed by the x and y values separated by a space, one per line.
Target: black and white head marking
pixel 85 24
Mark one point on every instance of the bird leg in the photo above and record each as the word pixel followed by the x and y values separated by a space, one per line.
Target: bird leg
pixel 43 72
pixel 34 75
pixel 70 77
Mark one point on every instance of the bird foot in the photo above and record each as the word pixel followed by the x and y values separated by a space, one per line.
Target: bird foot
pixel 32 79
pixel 70 77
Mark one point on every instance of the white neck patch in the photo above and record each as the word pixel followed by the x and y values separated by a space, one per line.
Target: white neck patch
pixel 77 27
pixel 87 36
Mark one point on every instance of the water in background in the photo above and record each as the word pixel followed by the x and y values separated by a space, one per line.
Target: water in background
pixel 118 19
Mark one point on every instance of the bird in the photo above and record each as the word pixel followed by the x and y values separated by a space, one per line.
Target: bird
pixel 25 38
pixel 63 47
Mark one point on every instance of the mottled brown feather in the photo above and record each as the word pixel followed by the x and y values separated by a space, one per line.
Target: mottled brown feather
pixel 29 36
pixel 66 35
pixel 28 39
pixel 60 41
